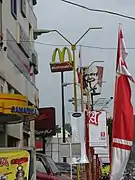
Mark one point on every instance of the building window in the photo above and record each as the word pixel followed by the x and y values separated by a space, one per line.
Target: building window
pixel 23 8
pixel 1 85
pixel 12 142
pixel 10 89
pixel 14 8
pixel 1 89
pixel 30 33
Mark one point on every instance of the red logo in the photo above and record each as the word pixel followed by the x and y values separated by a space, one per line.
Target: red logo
pixel 102 134
pixel 4 162
pixel 19 161
pixel 93 117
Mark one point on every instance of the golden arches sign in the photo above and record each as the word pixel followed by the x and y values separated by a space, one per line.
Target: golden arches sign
pixel 62 65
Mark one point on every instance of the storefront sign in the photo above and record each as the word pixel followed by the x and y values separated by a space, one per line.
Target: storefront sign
pixel 13 107
pixel 24 110
pixel 45 123
pixel 62 65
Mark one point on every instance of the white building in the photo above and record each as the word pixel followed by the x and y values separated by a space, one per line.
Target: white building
pixel 52 146
pixel 17 57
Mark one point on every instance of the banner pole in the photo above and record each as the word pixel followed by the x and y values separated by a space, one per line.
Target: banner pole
pixel 88 166
pixel 92 162
pixel 87 146
pixel 97 167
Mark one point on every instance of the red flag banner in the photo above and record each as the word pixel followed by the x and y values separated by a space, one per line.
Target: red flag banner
pixel 123 121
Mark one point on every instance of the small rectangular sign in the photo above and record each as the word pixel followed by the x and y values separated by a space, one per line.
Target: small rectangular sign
pixel 61 67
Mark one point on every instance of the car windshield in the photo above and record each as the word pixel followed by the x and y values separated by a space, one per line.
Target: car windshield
pixel 61 169
pixel 52 165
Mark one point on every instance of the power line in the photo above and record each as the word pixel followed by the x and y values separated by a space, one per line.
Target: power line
pixel 63 45
pixel 104 48
pixel 38 42
pixel 99 10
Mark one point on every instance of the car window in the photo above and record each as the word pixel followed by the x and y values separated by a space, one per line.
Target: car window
pixel 52 165
pixel 40 167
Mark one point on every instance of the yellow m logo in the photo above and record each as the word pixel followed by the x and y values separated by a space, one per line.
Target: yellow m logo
pixel 62 65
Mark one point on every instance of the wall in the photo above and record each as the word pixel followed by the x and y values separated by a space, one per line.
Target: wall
pixel 11 73
pixel 52 149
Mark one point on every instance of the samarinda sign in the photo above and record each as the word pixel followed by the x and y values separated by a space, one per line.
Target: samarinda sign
pixel 62 65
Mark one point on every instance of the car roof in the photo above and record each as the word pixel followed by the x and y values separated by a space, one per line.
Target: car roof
pixel 41 154
pixel 62 163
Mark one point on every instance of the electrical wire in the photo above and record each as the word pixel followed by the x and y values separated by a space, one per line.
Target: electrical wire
pixel 99 10
pixel 64 45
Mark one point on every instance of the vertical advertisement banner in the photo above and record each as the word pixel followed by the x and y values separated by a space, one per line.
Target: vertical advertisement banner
pixel 78 135
pixel 97 128
pixel 14 165
pixel 92 79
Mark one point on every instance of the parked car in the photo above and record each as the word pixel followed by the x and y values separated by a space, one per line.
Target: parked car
pixel 47 169
pixel 66 169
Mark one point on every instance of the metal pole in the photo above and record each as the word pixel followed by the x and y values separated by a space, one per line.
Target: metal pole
pixel 75 96
pixel 92 162
pixel 97 167
pixel 71 173
pixel 63 110
pixel 74 71
pixel 88 166
pixel 92 102
pixel 44 142
pixel 81 84
pixel 1 34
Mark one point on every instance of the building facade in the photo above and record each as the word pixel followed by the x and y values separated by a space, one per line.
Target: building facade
pixel 18 65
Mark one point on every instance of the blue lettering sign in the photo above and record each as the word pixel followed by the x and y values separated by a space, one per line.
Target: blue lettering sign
pixel 24 110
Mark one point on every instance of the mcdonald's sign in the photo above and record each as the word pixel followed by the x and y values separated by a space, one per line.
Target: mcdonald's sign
pixel 62 65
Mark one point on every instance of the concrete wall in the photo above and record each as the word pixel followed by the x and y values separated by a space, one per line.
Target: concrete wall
pixel 7 68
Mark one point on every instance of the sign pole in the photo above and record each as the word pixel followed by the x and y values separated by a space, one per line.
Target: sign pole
pixel 97 167
pixel 92 162
pixel 63 110
pixel 75 95
pixel 87 146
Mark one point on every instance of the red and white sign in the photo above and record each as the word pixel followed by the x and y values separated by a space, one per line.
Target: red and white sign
pixel 103 150
pixel 93 117
pixel 97 129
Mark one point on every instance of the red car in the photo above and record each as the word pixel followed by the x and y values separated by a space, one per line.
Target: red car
pixel 47 169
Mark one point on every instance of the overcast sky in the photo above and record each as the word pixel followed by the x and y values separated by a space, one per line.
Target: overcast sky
pixel 72 22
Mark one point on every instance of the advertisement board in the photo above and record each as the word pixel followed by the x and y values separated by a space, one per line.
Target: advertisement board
pixel 45 123
pixel 103 150
pixel 97 128
pixel 78 135
pixel 62 65
pixel 92 79
pixel 14 164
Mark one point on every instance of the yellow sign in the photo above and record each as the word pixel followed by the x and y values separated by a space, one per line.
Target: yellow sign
pixel 14 104
pixel 9 100
pixel 62 65
pixel 14 165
